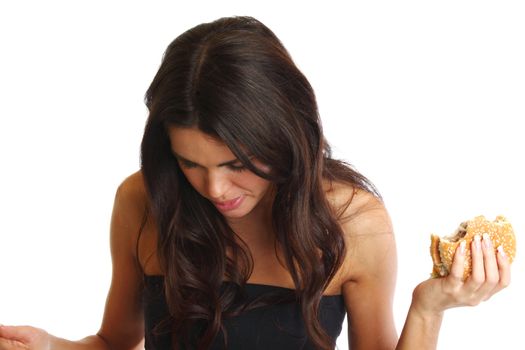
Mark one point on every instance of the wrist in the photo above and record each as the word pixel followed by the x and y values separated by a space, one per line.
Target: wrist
pixel 425 314
pixel 425 304
pixel 54 342
pixel 421 330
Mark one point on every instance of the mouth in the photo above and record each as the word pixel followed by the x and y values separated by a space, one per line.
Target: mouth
pixel 230 204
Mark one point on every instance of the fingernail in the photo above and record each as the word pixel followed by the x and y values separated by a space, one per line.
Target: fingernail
pixel 477 243
pixel 486 240
pixel 501 251
pixel 462 247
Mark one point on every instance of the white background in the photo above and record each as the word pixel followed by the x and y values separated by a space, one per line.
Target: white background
pixel 425 98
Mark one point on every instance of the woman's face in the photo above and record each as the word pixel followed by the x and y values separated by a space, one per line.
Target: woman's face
pixel 216 173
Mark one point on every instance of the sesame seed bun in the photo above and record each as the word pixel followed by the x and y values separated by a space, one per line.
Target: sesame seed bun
pixel 442 249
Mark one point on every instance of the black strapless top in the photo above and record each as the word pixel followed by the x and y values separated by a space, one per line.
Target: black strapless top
pixel 274 327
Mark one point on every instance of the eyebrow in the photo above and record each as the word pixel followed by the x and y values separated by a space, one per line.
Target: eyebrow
pixel 230 162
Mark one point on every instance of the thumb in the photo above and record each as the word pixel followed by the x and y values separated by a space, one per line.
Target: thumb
pixel 20 333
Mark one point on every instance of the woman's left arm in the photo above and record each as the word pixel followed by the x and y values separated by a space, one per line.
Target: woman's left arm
pixel 490 274
pixel 369 274
pixel 370 270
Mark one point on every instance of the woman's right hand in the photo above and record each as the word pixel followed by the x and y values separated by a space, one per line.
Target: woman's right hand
pixel 24 337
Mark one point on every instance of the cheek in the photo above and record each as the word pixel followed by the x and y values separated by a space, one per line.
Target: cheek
pixel 252 182
pixel 195 179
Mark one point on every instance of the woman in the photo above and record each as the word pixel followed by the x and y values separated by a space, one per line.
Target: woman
pixel 241 232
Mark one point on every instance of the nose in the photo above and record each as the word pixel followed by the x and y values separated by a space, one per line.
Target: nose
pixel 217 185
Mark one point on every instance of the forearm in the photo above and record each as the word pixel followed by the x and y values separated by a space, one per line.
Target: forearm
pixel 420 331
pixel 93 342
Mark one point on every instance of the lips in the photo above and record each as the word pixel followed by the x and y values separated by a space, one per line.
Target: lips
pixel 229 205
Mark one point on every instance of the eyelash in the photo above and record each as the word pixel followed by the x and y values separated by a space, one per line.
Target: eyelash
pixel 234 168
pixel 187 165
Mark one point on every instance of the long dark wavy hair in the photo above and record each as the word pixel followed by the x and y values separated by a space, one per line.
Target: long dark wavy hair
pixel 234 80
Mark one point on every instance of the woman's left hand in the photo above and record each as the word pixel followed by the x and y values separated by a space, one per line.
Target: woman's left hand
pixel 490 274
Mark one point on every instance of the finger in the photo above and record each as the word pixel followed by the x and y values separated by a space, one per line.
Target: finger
pixel 477 276
pixel 503 267
pixel 491 268
pixel 7 344
pixel 504 271
pixel 458 264
pixel 18 333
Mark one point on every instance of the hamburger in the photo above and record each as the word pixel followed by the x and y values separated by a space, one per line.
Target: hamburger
pixel 442 249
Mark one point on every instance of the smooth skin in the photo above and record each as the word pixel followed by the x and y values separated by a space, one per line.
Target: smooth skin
pixel 366 279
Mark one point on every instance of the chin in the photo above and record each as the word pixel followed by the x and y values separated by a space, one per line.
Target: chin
pixel 236 214
pixel 243 211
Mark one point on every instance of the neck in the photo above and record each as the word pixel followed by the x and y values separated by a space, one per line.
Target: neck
pixel 256 227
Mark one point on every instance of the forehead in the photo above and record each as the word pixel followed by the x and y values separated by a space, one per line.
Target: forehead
pixel 197 146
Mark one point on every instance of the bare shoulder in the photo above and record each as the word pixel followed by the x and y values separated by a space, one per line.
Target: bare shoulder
pixel 132 189
pixel 360 212
pixel 133 214
pixel 131 199
pixel 129 210
pixel 367 229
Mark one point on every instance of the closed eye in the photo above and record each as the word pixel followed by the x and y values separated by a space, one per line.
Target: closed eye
pixel 233 165
pixel 187 164
pixel 236 167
